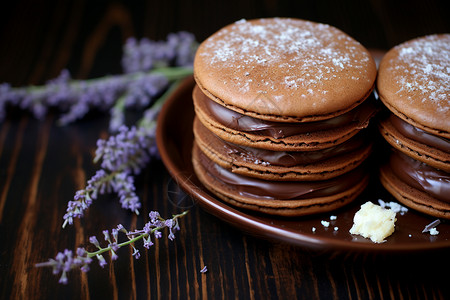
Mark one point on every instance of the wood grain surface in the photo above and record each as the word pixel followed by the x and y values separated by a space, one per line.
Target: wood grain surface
pixel 42 165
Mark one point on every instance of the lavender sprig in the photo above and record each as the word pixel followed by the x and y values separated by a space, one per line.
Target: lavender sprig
pixel 121 156
pixel 149 66
pixel 66 261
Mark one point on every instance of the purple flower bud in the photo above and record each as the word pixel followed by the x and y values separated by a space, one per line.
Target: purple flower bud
pixel 115 234
pixel 93 240
pixel 147 228
pixel 63 278
pixel 154 215
pixel 136 253
pixel 157 234
pixel 168 223
pixel 106 234
pixel 101 260
pixel 171 236
pixel 148 242
pixel 114 256
pixel 85 268
pixel 81 251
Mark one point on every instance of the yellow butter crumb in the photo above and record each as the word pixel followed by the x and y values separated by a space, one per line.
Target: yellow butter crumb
pixel 374 222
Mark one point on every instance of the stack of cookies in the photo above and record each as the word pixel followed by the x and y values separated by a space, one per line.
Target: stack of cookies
pixel 281 105
pixel 414 84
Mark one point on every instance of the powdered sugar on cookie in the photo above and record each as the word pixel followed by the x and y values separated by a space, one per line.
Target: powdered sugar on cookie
pixel 308 54
pixel 307 71
pixel 423 70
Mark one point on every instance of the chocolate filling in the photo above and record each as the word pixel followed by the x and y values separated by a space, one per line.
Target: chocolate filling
pixel 419 135
pixel 282 190
pixel 290 158
pixel 421 176
pixel 358 117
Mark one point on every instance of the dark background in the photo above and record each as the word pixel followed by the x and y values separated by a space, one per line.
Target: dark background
pixel 64 33
pixel 42 165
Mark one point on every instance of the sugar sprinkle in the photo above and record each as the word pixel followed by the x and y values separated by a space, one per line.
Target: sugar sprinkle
pixel 394 206
pixel 325 223
pixel 431 226
pixel 423 68
pixel 281 43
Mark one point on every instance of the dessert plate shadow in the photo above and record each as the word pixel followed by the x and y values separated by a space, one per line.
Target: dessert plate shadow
pixel 174 140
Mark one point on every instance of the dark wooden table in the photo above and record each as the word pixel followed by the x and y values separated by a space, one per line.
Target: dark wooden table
pixel 42 165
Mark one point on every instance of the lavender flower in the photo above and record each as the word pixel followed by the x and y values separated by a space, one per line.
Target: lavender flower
pixel 93 240
pixel 125 151
pixel 144 55
pixel 142 90
pixel 149 67
pixel 66 261
pixel 121 155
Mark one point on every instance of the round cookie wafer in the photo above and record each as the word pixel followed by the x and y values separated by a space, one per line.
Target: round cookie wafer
pixel 284 70
pixel 437 157
pixel 414 83
pixel 334 197
pixel 282 165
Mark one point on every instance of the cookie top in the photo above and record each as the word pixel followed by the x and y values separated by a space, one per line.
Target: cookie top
pixel 414 82
pixel 285 70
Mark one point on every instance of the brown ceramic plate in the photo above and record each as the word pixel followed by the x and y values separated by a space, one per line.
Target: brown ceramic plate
pixel 174 139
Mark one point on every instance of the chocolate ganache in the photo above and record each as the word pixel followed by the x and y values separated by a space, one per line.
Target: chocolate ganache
pixel 282 190
pixel 358 117
pixel 421 176
pixel 291 158
pixel 419 135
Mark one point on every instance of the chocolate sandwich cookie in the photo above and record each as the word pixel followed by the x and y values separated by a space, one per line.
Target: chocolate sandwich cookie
pixel 282 165
pixel 283 71
pixel 283 198
pixel 414 84
pixel 279 104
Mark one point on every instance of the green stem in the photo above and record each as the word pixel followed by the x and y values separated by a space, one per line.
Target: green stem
pixel 172 74
pixel 137 238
